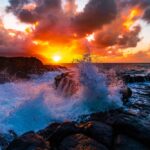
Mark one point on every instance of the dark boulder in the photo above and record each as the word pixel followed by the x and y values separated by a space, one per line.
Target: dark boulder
pixel 136 78
pixel 124 142
pixel 133 126
pixel 99 131
pixel 62 131
pixel 12 68
pixel 21 66
pixel 126 94
pixel 80 142
pixel 29 141
pixel 48 131
pixel 66 84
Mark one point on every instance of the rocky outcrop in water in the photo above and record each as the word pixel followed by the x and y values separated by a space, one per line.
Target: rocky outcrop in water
pixel 22 68
pixel 113 130
pixel 65 84
pixel 126 94
pixel 136 78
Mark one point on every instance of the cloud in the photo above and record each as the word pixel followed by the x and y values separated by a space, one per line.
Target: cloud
pixel 52 19
pixel 146 15
pixel 120 37
pixel 12 43
pixel 27 16
pixel 111 22
pixel 130 38
pixel 95 15
pixel 132 3
pixel 141 56
pixel 70 7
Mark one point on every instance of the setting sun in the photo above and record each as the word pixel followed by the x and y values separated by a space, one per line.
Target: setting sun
pixel 56 58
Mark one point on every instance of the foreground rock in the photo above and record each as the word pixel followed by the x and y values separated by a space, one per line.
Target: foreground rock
pixel 66 84
pixel 99 131
pixel 80 142
pixel 29 141
pixel 113 130
pixel 124 142
pixel 126 94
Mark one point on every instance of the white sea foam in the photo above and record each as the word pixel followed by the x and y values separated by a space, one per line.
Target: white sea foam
pixel 32 105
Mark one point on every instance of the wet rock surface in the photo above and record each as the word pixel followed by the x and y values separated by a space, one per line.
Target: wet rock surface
pixel 80 142
pixel 65 84
pixel 29 141
pixel 136 78
pixel 112 130
pixel 124 142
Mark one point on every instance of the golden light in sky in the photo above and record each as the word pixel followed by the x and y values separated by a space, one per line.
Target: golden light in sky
pixel 56 58
pixel 130 20
pixel 39 33
pixel 90 37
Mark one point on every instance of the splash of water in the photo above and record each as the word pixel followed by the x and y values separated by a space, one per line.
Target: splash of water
pixel 98 95
pixel 32 105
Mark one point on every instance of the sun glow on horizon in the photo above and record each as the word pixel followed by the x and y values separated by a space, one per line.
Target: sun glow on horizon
pixel 90 37
pixel 56 58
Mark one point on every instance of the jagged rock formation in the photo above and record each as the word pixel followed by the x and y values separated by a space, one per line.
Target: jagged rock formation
pixel 136 78
pixel 65 84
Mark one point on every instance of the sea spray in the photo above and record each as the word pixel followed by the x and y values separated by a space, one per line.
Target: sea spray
pixel 32 105
pixel 98 95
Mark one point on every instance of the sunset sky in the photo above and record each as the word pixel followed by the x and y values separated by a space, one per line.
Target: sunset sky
pixel 64 30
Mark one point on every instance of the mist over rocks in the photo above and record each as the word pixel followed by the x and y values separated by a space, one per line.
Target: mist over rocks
pixel 14 68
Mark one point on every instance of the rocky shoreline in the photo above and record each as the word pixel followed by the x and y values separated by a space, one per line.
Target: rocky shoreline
pixel 112 130
pixel 22 68
pixel 119 129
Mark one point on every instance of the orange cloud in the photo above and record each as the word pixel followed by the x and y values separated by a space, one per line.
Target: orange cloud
pixel 108 26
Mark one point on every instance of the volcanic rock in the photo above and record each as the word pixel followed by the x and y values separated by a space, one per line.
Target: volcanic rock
pixel 29 141
pixel 136 78
pixel 65 84
pixel 80 142
pixel 124 142
pixel 62 131
pixel 99 131
pixel 116 129
pixel 12 68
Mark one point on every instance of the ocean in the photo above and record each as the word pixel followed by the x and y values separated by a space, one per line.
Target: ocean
pixel 33 104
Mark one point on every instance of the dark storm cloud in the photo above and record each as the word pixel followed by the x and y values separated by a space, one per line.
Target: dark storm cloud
pixel 42 8
pixel 96 14
pixel 49 13
pixel 146 15
pixel 56 25
pixel 16 5
pixel 12 45
pixel 27 16
pixel 130 38
pixel 131 3
pixel 46 5
pixel 110 37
